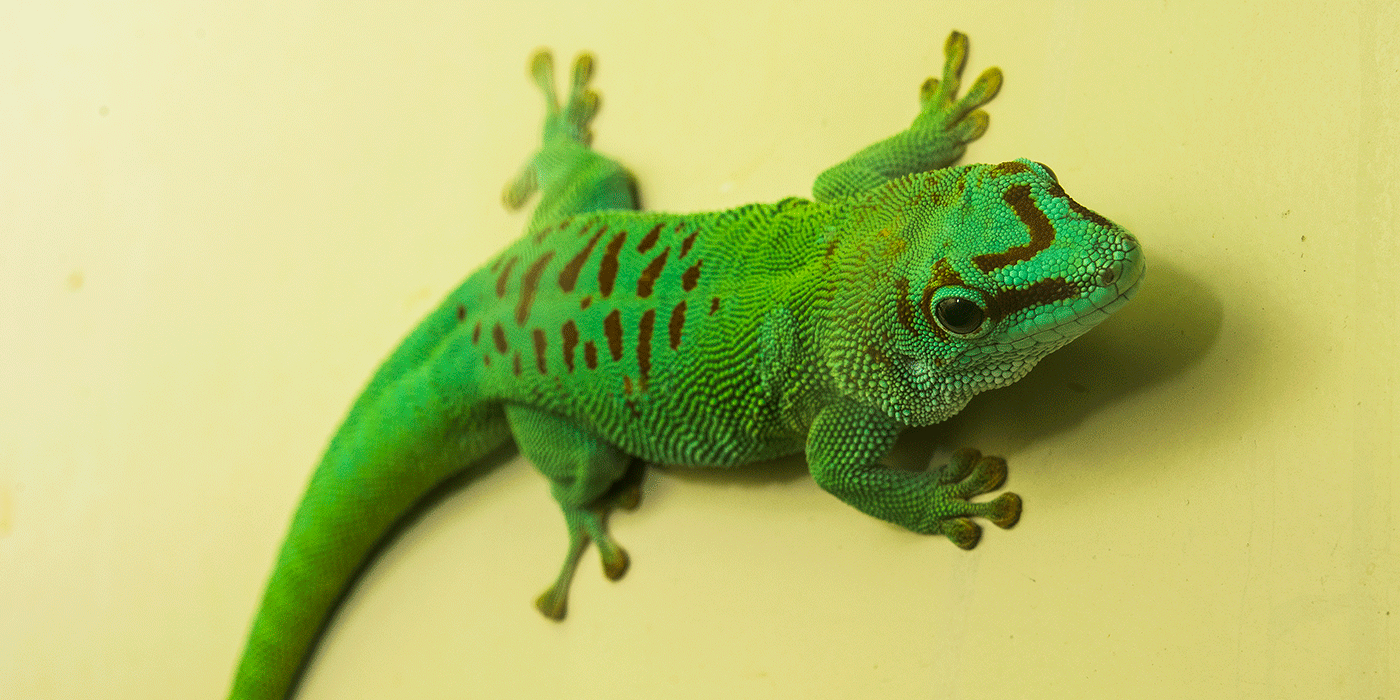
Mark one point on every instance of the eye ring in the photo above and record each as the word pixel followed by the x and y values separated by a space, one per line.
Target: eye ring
pixel 959 315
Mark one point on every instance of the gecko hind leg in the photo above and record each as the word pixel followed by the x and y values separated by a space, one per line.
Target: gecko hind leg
pixel 589 524
pixel 589 478
pixel 572 176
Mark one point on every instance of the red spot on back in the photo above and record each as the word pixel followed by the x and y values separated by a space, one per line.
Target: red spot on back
pixel 647 280
pixel 570 333
pixel 677 325
pixel 541 346
pixel 568 276
pixel 505 275
pixel 612 329
pixel 644 330
pixel 688 242
pixel 498 335
pixel 529 283
pixel 590 354
pixel 691 276
pixel 607 269
pixel 650 239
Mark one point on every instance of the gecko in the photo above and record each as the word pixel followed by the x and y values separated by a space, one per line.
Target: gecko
pixel 608 338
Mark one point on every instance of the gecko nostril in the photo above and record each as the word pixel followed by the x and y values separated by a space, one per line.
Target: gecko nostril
pixel 1108 276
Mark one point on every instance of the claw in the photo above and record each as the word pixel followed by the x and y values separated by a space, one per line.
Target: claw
pixel 1004 511
pixel 959 465
pixel 583 71
pixel 615 562
pixel 553 603
pixel 962 531
pixel 988 475
pixel 542 71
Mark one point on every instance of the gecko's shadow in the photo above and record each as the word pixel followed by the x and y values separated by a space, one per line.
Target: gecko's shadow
pixel 1167 328
pixel 1170 326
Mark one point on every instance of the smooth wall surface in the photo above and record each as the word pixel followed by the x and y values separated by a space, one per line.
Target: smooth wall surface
pixel 216 218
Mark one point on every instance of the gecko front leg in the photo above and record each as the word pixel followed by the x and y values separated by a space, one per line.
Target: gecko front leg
pixel 938 137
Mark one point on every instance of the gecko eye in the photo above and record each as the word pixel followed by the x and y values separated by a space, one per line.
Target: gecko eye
pixel 959 315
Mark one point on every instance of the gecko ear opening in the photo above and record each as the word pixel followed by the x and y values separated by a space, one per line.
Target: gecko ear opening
pixel 959 316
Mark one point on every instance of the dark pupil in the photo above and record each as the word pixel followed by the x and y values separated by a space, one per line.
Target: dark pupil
pixel 959 315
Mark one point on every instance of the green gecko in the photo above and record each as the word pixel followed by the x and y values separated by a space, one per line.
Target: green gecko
pixel 607 337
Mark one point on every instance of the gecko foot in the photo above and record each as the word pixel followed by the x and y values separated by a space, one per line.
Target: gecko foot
pixel 566 123
pixel 943 112
pixel 967 474
pixel 590 525
pixel 585 526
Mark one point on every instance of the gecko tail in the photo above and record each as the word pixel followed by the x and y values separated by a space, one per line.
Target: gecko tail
pixel 405 444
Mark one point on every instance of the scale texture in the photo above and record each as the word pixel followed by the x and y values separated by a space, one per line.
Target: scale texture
pixel 607 338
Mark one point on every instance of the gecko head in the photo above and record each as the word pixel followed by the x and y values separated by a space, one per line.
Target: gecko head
pixel 960 280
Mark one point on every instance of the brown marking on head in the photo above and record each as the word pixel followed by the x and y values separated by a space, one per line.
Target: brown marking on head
pixel 529 283
pixel 903 308
pixel 568 276
pixel 612 329
pixel 476 333
pixel 644 330
pixel 486 360
pixel 626 385
pixel 515 364
pixel 1010 167
pixel 590 354
pixel 1045 291
pixel 1042 232
pixel 461 313
pixel 943 275
pixel 926 304
pixel 647 281
pixel 570 333
pixel 691 276
pixel 650 239
pixel 714 305
pixel 677 325
pixel 585 302
pixel 504 276
pixel 877 354
pixel 1085 212
pixel 498 334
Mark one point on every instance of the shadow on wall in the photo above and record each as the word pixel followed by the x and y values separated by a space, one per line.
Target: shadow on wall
pixel 1169 327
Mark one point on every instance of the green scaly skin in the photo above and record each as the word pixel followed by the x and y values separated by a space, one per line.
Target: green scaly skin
pixel 608 337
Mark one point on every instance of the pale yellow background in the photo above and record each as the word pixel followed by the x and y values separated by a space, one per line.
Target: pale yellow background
pixel 215 219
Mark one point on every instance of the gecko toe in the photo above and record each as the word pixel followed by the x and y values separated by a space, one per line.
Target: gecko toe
pixel 962 532
pixel 959 465
pixel 1004 511
pixel 553 603
pixel 987 475
pixel 615 562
